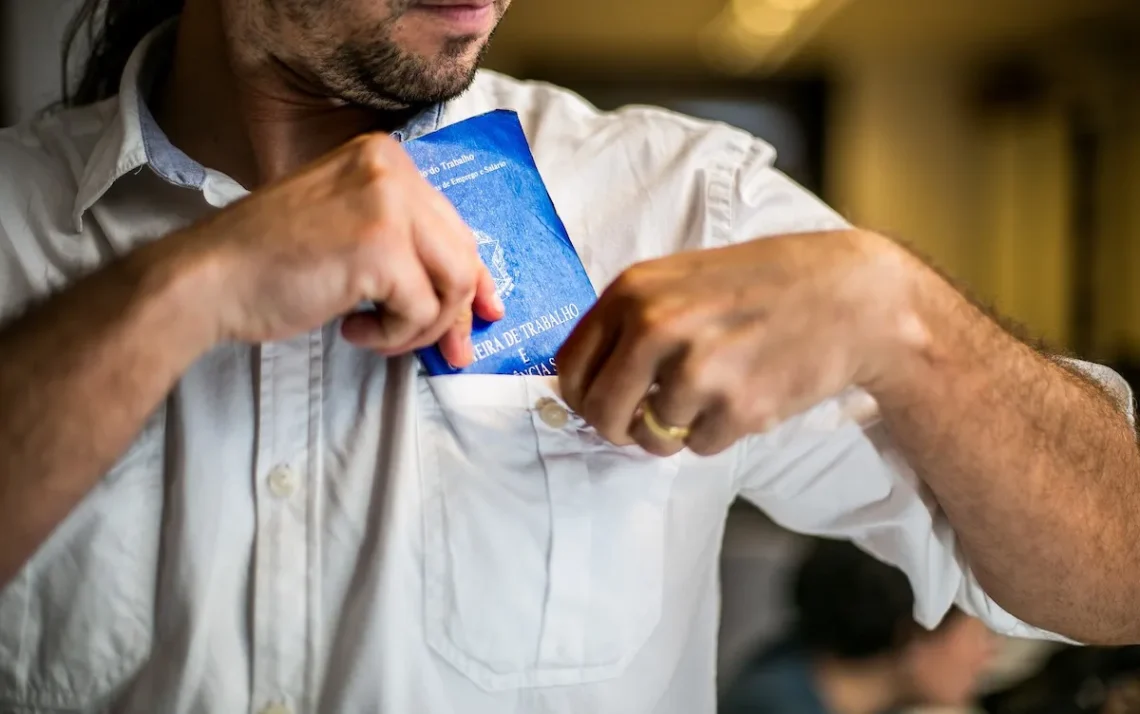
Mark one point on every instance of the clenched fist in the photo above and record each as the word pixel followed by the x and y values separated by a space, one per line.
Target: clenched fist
pixel 360 224
pixel 700 349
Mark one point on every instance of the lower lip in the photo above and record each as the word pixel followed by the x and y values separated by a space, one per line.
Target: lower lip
pixel 461 19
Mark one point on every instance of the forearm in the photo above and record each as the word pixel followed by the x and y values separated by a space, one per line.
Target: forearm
pixel 1036 469
pixel 79 376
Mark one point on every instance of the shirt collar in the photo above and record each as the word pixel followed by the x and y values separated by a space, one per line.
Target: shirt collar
pixel 133 139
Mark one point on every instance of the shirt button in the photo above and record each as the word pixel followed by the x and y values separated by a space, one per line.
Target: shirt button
pixel 282 482
pixel 552 413
pixel 276 709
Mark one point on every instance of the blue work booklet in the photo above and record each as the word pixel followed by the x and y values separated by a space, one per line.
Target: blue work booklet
pixel 485 168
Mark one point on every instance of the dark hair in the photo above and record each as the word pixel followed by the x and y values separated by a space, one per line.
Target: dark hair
pixel 110 30
pixel 850 605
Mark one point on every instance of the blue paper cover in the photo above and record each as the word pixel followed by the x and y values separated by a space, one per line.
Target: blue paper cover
pixel 485 168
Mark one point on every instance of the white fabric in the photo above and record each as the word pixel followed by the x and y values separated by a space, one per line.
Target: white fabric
pixel 306 526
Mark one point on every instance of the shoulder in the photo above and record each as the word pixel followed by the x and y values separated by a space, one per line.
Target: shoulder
pixel 43 162
pixel 631 184
pixel 553 116
pixel 58 136
pixel 44 158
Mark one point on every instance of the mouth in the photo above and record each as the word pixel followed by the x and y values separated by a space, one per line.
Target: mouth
pixel 459 17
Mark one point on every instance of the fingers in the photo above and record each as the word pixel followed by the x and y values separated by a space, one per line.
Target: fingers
pixel 661 394
pixel 431 301
pixel 581 356
pixel 674 404
pixel 609 376
pixel 455 344
pixel 608 366
pixel 368 330
pixel 610 401
pixel 361 224
pixel 405 312
pixel 759 403
pixel 462 283
pixel 714 430
pixel 486 302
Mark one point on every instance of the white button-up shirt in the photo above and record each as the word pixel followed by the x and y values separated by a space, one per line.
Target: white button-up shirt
pixel 306 527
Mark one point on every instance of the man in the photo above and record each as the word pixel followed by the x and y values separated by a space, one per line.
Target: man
pixel 217 494
pixel 861 652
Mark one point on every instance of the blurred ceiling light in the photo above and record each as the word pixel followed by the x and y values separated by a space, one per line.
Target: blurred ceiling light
pixel 793 5
pixel 761 18
pixel 730 48
pixel 751 36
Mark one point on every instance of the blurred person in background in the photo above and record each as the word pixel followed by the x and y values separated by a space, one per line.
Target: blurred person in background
pixel 1075 680
pixel 219 493
pixel 1124 697
pixel 854 647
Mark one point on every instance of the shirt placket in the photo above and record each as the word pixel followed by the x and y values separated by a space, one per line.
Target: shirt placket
pixel 286 564
pixel 563 638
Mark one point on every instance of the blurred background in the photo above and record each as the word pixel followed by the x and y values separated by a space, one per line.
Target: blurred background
pixel 999 137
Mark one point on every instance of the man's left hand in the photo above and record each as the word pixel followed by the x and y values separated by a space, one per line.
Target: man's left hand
pixel 700 349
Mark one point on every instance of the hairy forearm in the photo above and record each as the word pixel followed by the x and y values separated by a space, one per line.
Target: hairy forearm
pixel 79 375
pixel 1035 467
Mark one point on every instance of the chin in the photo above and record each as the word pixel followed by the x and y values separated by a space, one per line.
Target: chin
pixel 427 41
pixel 453 54
pixel 451 71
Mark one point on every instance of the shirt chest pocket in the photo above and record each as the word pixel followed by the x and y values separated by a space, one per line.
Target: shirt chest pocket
pixel 544 545
pixel 78 620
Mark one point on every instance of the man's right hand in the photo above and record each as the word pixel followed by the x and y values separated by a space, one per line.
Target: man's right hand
pixel 360 224
pixel 82 370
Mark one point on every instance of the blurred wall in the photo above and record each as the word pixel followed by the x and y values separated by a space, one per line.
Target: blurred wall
pixel 985 196
pixel 30 35
pixel 992 187
pixel 1118 265
pixel 904 158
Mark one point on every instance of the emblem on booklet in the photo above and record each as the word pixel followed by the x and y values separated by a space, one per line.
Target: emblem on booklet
pixel 492 255
pixel 485 168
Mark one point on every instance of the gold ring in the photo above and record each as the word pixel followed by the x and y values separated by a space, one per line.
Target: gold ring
pixel 665 432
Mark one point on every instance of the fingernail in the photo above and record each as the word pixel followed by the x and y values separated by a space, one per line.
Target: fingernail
pixel 497 302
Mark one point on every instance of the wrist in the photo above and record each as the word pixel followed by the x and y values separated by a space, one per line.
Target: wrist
pixel 182 282
pixel 907 310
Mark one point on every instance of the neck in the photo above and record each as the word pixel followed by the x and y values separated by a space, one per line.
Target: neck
pixel 247 115
pixel 869 687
